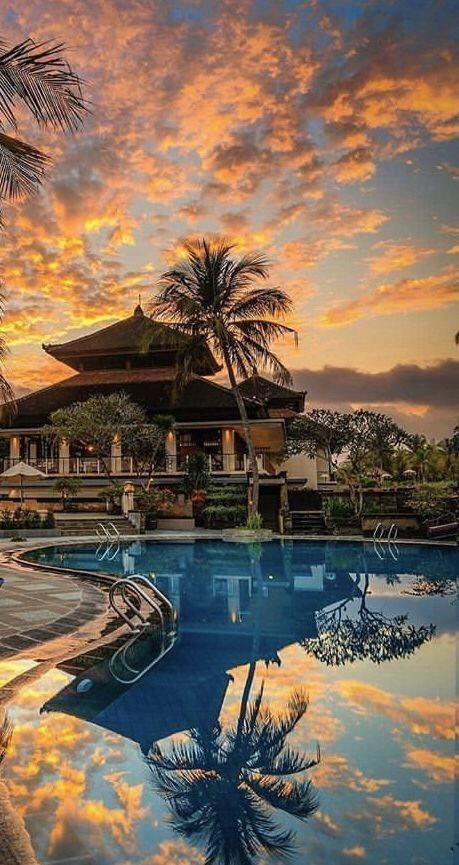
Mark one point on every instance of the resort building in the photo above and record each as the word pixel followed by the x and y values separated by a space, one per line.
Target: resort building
pixel 139 357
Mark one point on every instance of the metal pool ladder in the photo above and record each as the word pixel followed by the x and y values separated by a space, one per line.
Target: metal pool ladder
pixel 107 532
pixel 378 534
pixel 133 591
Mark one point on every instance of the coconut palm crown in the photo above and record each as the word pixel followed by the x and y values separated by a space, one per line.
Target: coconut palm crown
pixel 223 786
pixel 213 296
pixel 36 76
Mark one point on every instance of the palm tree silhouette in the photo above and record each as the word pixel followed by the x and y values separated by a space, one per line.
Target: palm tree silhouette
pixel 38 77
pixel 210 297
pixel 223 786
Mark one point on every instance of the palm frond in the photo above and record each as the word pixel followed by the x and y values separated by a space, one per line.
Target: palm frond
pixel 38 75
pixel 261 301
pixel 21 167
pixel 257 355
pixel 295 797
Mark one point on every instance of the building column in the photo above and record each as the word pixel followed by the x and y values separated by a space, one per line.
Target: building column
pixel 171 451
pixel 115 456
pixel 15 448
pixel 64 457
pixel 229 456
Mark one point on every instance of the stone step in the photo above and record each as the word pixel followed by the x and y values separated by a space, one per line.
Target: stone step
pixel 86 524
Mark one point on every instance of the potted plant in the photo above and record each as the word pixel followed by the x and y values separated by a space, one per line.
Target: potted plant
pixel 150 502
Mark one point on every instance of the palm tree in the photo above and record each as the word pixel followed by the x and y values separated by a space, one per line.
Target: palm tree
pixel 223 786
pixel 37 76
pixel 210 298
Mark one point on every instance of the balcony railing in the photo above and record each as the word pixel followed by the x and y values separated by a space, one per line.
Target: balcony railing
pixel 219 463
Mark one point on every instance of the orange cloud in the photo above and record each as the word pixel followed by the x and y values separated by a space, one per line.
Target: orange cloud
pixel 395 256
pixel 440 768
pixel 405 295
pixel 424 717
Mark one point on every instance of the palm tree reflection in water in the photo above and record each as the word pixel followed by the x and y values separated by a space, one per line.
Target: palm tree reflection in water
pixel 222 786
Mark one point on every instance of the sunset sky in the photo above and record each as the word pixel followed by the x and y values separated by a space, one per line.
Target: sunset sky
pixel 320 132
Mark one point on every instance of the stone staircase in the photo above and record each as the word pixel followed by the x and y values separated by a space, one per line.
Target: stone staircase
pixel 308 522
pixel 75 524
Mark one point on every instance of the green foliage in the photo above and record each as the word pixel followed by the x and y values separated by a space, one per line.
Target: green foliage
pixel 432 500
pixel 112 494
pixel 145 443
pixel 229 515
pixel 100 420
pixel 227 494
pixel 336 506
pixel 226 506
pixel 197 475
pixel 319 430
pixel 48 521
pixel 254 522
pixel 155 499
pixel 68 487
pixel 23 518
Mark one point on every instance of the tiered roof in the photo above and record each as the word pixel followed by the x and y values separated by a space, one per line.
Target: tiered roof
pixel 139 356
pixel 280 401
pixel 113 347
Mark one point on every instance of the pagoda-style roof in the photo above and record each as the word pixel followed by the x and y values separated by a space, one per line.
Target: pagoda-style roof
pixel 280 401
pixel 137 341
pixel 200 400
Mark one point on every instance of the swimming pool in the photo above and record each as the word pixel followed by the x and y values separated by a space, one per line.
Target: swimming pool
pixel 208 752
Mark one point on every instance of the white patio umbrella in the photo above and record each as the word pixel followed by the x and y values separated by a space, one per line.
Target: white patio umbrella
pixel 20 471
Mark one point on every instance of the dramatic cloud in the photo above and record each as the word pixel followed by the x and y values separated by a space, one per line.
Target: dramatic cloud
pixel 405 295
pixel 277 124
pixel 404 390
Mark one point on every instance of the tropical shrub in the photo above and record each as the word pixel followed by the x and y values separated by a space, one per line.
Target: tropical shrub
pixel 254 522
pixel 433 500
pixel 23 518
pixel 68 488
pixel 229 515
pixel 197 475
pixel 155 499
pixel 336 506
pixel 111 495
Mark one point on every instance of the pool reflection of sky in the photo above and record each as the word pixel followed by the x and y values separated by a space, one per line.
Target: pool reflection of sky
pixel 384 783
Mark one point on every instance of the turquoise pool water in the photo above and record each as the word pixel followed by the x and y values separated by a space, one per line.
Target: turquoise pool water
pixel 208 753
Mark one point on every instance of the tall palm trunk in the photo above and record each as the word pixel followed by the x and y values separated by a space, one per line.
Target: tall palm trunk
pixel 254 499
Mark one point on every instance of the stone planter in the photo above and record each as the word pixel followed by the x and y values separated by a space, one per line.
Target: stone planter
pixel 247 536
pixel 342 526
pixel 408 525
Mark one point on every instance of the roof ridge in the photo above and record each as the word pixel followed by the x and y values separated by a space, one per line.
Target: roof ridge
pixel 101 330
pixel 43 389
pixel 226 389
pixel 271 381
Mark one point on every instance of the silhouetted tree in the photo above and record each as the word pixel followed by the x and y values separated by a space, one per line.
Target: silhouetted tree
pixel 222 786
pixel 210 296
pixel 370 635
